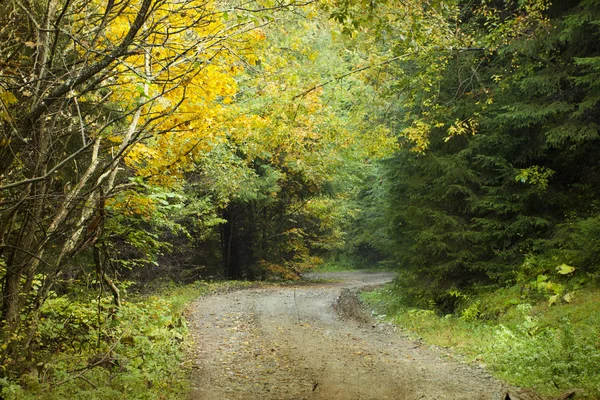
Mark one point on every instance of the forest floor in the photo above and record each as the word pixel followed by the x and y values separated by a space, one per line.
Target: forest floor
pixel 314 341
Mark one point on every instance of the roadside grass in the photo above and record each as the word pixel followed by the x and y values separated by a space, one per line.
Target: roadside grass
pixel 527 343
pixel 333 266
pixel 345 264
pixel 85 348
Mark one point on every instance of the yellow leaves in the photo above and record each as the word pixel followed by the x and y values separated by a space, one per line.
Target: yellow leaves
pixel 258 35
pixel 139 154
pixel 280 270
pixel 543 284
pixel 179 81
pixel 529 17
pixel 119 27
pixel 115 139
pixel 464 127
pixel 565 269
pixel 252 59
pixel 536 176
pixel 378 142
pixel 418 135
pixel 132 204
pixel 312 102
pixel 6 99
pixel 568 298
pixel 164 159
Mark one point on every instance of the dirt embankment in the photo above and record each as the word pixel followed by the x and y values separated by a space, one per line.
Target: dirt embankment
pixel 291 343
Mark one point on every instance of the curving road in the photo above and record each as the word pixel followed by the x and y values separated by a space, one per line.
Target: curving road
pixel 285 343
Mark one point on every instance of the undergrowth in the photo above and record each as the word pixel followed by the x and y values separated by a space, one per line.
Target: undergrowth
pixel 334 266
pixel 88 349
pixel 528 343
pixel 344 263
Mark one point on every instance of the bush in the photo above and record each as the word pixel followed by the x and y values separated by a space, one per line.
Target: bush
pixel 87 349
pixel 522 339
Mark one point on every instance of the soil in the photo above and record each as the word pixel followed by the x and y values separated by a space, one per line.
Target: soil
pixel 315 341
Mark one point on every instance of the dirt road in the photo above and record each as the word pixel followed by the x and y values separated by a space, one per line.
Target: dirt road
pixel 290 343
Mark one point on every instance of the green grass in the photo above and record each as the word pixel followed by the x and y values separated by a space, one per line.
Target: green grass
pixel 528 344
pixel 344 264
pixel 333 266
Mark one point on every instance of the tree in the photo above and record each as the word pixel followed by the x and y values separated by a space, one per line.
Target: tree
pixel 86 87
pixel 497 194
pixel 304 144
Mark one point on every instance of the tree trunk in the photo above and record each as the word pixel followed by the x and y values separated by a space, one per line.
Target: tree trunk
pixel 231 260
pixel 102 277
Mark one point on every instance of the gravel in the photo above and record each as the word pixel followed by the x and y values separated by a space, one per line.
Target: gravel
pixel 316 342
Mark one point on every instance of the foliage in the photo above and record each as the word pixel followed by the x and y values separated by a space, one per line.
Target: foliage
pixel 200 138
pixel 495 183
pixel 87 349
pixel 298 146
pixel 151 138
pixel 549 348
pixel 93 94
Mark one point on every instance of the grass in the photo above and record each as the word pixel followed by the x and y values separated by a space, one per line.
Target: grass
pixel 334 266
pixel 344 264
pixel 527 343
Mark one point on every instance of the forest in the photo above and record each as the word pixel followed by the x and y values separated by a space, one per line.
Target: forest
pixel 152 151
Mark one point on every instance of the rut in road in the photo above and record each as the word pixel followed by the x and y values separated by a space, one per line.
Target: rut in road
pixel 289 343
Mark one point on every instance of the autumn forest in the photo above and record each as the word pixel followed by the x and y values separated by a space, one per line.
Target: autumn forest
pixel 154 151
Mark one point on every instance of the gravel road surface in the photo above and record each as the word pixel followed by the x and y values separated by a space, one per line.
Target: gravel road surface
pixel 313 341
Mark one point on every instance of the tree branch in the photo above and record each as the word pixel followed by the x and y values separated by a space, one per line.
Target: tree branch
pixel 91 70
pixel 342 76
pixel 49 173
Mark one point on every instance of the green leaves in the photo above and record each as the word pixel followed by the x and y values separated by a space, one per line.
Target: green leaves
pixel 565 269
pixel 535 175
pixel 507 132
pixel 133 352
